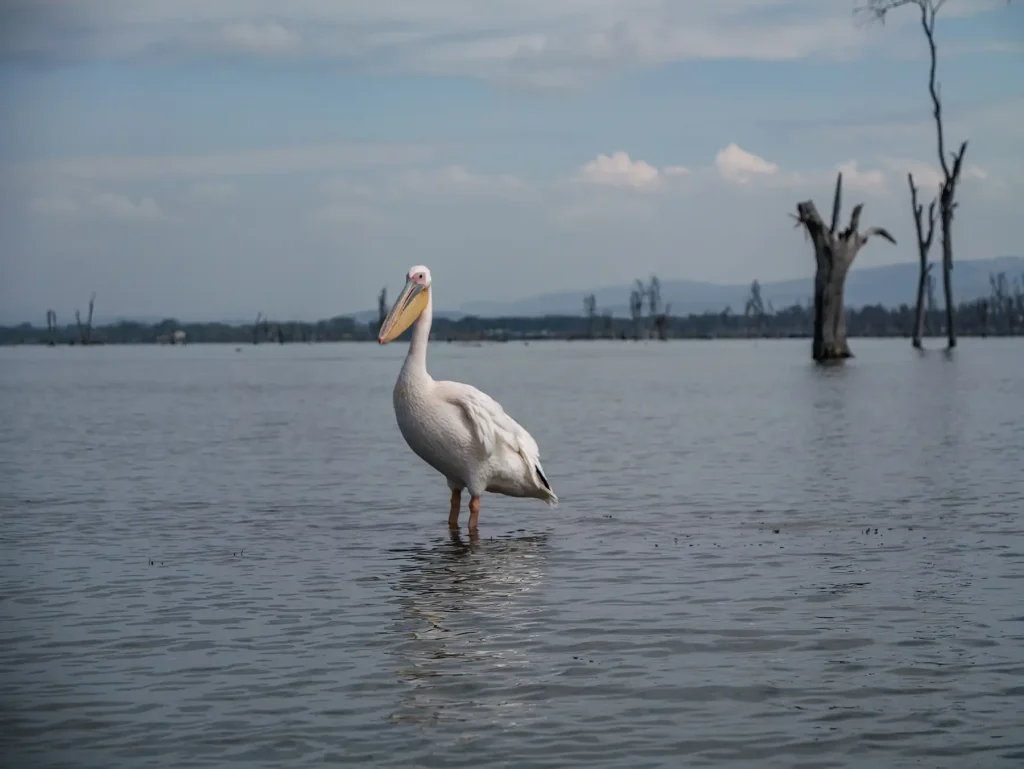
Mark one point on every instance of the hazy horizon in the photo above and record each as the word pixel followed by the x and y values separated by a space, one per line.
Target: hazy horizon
pixel 211 161
pixel 866 286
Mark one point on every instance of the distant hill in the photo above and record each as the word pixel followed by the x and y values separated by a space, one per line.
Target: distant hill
pixel 890 286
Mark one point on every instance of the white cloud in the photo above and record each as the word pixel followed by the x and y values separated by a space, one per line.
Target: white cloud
pixel 97 205
pixel 737 165
pixel 547 43
pixel 619 170
pixel 855 178
pixel 266 38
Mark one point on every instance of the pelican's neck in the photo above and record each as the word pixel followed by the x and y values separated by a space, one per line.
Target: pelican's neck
pixel 416 358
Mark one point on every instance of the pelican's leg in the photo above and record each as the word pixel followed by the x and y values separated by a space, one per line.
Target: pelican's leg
pixel 453 514
pixel 474 511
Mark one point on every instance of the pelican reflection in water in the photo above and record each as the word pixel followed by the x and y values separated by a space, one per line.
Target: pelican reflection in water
pixel 467 618
pixel 455 428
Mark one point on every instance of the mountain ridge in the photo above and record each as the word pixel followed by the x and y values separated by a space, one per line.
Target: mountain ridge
pixel 889 285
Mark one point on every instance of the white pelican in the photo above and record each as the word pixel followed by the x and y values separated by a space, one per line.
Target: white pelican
pixel 455 428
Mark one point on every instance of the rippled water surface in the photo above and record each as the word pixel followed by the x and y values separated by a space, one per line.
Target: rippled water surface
pixel 221 557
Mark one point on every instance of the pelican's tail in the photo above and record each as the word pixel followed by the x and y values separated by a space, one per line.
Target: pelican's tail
pixel 546 492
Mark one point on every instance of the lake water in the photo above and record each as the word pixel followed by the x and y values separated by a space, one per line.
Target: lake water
pixel 217 557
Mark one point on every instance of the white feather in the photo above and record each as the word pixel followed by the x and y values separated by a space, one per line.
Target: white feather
pixel 500 436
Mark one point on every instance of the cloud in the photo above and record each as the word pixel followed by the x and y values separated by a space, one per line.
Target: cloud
pixel 269 161
pixel 618 170
pixel 541 43
pixel 347 234
pixel 97 205
pixel 266 38
pixel 737 165
pixel 854 177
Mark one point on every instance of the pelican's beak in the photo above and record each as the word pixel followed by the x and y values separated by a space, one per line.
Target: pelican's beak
pixel 410 303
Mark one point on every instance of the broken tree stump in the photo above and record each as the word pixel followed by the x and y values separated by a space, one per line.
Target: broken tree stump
pixel 834 252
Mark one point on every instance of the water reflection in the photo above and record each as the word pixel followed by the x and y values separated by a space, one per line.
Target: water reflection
pixel 467 616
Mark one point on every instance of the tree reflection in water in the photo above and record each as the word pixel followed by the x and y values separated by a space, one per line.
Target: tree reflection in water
pixel 470 609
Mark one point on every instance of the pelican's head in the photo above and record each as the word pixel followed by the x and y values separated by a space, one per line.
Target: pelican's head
pixel 409 305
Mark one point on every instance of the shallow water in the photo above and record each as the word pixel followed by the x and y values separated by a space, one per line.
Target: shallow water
pixel 214 557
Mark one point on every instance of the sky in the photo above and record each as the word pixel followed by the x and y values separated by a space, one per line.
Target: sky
pixel 211 159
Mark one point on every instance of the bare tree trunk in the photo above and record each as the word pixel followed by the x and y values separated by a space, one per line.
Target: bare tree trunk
pixel 924 245
pixel 951 176
pixel 85 331
pixel 947 269
pixel 88 323
pixel 929 10
pixel 834 252
pixel 919 326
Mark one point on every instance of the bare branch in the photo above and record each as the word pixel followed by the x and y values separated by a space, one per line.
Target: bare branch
pixel 931 225
pixel 837 202
pixel 855 218
pixel 958 161
pixel 880 232
pixel 878 10
pixel 924 242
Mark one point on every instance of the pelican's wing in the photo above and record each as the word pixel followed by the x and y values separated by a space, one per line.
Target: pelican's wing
pixel 488 420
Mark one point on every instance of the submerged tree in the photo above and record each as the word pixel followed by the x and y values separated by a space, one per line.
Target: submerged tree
pixel 834 252
pixel 51 327
pixel 951 165
pixel 755 305
pixel 590 313
pixel 636 307
pixel 924 245
pixel 85 331
pixel 661 322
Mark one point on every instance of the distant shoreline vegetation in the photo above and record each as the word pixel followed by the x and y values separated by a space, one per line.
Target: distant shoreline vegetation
pixel 977 318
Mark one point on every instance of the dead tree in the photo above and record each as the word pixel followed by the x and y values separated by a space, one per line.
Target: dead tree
pixel 658 319
pixel 590 313
pixel 85 332
pixel 654 296
pixel 661 322
pixel 952 165
pixel 834 252
pixel 924 245
pixel 930 300
pixel 256 328
pixel 51 327
pixel 636 308
pixel 755 306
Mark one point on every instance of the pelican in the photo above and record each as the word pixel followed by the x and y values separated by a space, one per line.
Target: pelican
pixel 455 428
